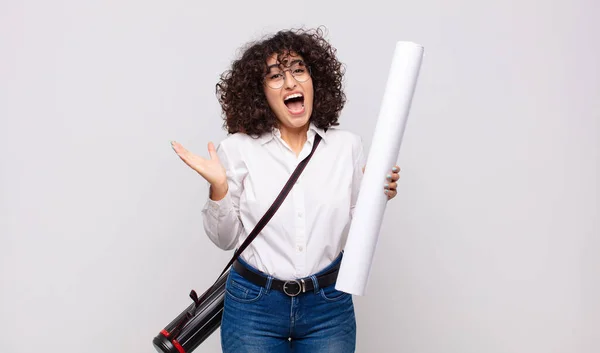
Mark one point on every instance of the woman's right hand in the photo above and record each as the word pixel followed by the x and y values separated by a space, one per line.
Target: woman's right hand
pixel 210 169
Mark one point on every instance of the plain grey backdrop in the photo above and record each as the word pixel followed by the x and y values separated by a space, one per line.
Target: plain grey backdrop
pixel 491 245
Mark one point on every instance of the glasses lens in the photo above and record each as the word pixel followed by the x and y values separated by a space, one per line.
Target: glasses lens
pixel 276 77
pixel 300 71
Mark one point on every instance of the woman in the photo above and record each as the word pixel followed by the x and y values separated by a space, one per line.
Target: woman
pixel 281 93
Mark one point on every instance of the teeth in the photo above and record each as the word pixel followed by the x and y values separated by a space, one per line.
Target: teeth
pixel 295 95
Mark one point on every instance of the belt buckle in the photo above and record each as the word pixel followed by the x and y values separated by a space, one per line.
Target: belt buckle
pixel 297 283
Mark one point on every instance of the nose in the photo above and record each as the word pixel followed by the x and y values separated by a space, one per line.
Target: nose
pixel 288 80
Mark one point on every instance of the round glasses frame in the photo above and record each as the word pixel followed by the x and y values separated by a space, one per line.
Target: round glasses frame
pixel 280 82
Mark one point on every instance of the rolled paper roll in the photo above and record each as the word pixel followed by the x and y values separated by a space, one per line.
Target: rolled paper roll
pixel 385 148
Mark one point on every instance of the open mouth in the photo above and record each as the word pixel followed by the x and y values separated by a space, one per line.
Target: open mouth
pixel 295 103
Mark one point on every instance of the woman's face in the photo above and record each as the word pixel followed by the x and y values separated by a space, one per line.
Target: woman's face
pixel 289 90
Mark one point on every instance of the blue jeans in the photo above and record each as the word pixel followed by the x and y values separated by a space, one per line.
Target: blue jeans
pixel 262 320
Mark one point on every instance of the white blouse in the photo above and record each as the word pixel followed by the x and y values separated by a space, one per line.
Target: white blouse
pixel 309 230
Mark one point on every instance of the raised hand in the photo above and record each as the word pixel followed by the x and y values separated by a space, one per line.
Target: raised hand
pixel 210 169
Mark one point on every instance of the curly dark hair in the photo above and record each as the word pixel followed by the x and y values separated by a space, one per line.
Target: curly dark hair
pixel 240 90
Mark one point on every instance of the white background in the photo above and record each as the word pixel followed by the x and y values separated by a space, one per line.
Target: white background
pixel 491 245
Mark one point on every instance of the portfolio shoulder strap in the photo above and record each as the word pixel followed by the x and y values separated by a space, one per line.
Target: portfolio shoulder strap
pixel 278 201
pixel 257 229
pixel 266 217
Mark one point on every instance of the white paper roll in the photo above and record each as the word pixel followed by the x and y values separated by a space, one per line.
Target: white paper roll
pixel 385 148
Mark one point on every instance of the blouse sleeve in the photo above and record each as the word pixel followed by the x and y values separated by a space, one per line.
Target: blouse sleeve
pixel 359 164
pixel 221 218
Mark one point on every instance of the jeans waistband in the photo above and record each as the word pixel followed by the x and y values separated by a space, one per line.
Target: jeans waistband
pixel 292 288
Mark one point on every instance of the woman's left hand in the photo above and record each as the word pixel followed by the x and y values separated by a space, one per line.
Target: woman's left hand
pixel 391 182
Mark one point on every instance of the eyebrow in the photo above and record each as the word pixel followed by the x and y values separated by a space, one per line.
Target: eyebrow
pixel 295 61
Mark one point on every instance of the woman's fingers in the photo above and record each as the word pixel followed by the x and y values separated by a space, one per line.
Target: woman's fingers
pixel 391 177
pixel 391 194
pixel 394 175
pixel 192 160
pixel 210 169
pixel 178 148
pixel 212 151
pixel 391 182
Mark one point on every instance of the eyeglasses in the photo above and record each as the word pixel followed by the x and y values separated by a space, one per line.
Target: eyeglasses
pixel 276 76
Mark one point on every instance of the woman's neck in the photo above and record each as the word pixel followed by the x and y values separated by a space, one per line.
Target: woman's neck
pixel 295 138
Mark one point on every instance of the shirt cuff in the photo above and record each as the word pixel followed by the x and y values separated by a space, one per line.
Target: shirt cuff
pixel 219 208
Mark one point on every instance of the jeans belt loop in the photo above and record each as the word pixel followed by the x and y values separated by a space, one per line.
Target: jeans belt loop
pixel 269 282
pixel 315 283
